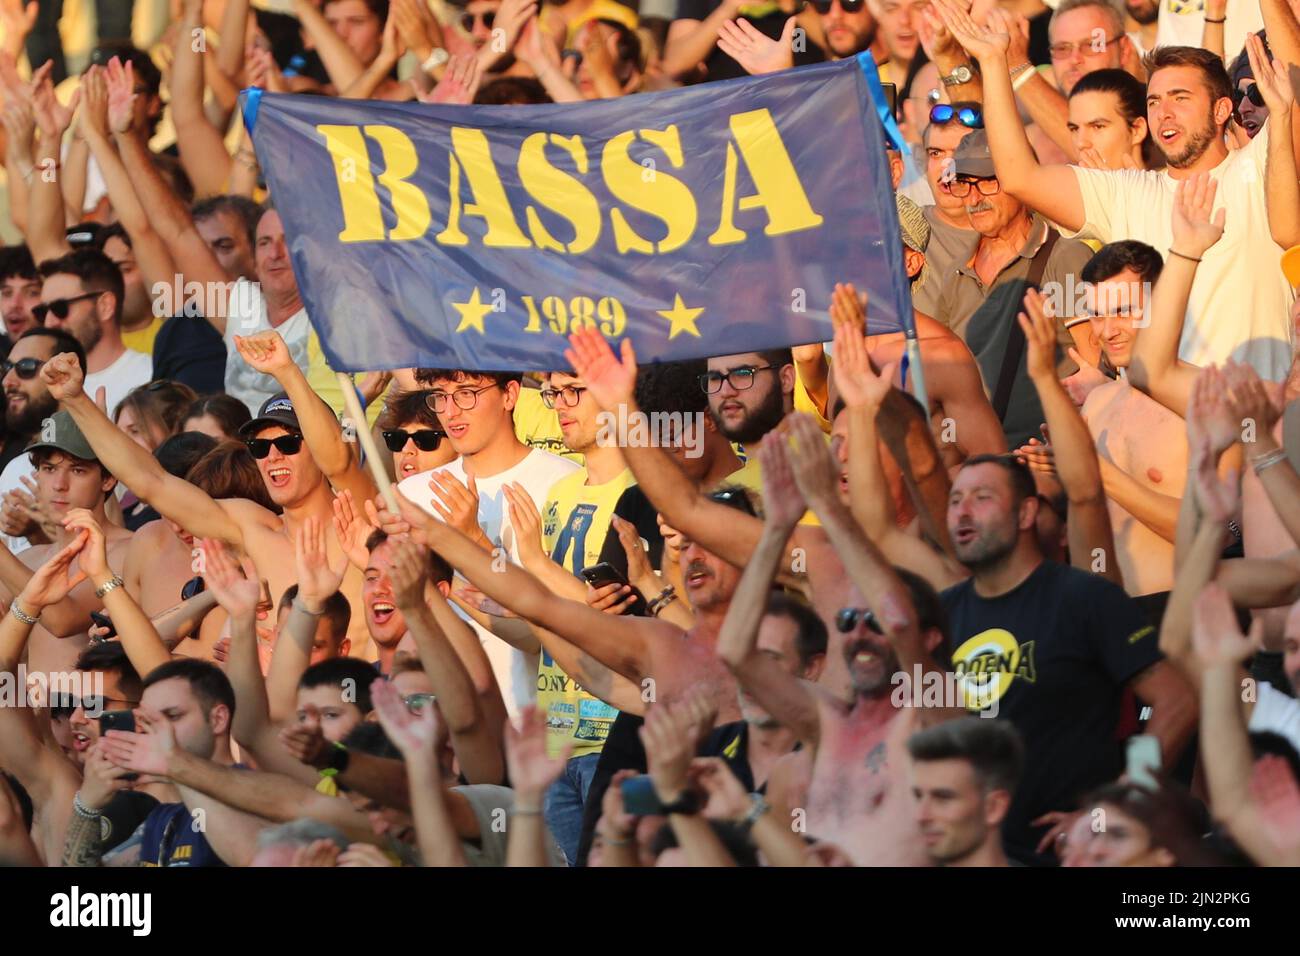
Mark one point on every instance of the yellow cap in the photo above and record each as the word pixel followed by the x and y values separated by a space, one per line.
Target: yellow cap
pixel 1291 266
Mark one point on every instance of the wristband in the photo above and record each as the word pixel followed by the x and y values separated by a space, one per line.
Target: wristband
pixel 759 807
pixel 112 584
pixel 436 59
pixel 1175 252
pixel 1268 460
pixel 1221 20
pixel 1022 75
pixel 666 597
pixel 525 811
pixel 22 615
pixel 83 811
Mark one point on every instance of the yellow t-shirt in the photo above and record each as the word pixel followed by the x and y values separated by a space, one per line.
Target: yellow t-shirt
pixel 324 382
pixel 574 524
pixel 141 340
pixel 750 476
pixel 803 402
pixel 539 427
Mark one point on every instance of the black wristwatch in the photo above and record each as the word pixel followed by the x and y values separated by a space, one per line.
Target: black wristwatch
pixel 686 805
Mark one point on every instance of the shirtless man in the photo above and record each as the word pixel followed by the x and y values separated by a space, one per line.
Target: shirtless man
pixel 1141 445
pixel 291 476
pixel 68 475
pixel 859 796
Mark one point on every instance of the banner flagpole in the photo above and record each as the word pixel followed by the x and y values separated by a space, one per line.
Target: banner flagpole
pixel 358 415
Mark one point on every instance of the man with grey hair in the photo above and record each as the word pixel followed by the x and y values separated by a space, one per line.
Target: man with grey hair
pixel 1085 36
pixel 964 773
pixel 281 844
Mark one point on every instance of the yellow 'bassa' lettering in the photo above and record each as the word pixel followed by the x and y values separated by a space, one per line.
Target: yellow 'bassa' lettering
pixel 663 196
pixel 558 192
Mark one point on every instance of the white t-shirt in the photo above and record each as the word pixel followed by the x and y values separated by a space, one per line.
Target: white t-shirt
pixel 1240 302
pixel 538 470
pixel 1276 713
pixel 131 370
pixel 1182 23
pixel 11 480
pixel 246 315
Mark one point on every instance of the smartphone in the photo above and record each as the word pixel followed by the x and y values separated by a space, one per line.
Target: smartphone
pixel 118 720
pixel 1142 762
pixel 599 575
pixel 891 96
pixel 103 620
pixel 639 797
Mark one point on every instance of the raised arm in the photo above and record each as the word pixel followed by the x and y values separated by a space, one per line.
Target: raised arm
pixel 532 771
pixel 790 700
pixel 1077 468
pixel 202 146
pixel 1284 41
pixel 20 163
pixel 46 223
pixel 340 62
pixel 478 748
pixel 338 459
pixel 865 392
pixel 1281 190
pixel 623 644
pixel 1051 190
pixel 131 464
pixel 233 33
pixel 1225 747
pixel 1155 367
pixel 690 41
pixel 1249 403
pixel 415 736
pixel 151 252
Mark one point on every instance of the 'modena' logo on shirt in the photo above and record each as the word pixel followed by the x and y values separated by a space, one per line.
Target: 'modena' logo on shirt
pixel 987 663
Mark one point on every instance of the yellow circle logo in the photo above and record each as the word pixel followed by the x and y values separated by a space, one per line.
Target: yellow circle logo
pixel 987 663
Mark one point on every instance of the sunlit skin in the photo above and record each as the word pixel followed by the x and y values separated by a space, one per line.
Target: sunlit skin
pixel 990 216
pixel 145 434
pixel 83 727
pixel 225 235
pixel 480 33
pixel 383 620
pixel 25 394
pixel 411 461
pixel 982 523
pixel 1185 122
pixel 1096 123
pixel 1252 116
pixel 197 732
pixel 325 644
pixel 471 430
pixel 1145 12
pixel 738 411
pixel 137 310
pixel 943 139
pixel 1291 646
pixel 897 22
pixel 17 297
pixel 274 270
pixel 1114 305
pixel 709 580
pixel 289 479
pixel 323 708
pixel 848 33
pixel 1119 841
pixel 777 642
pixel 1102 49
pixel 955 814
pixel 86 319
pixel 64 482
pixel 360 29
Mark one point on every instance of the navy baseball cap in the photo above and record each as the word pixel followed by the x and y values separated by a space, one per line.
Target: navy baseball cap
pixel 276 410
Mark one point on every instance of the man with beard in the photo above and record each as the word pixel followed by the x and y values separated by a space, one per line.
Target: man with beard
pixel 84 294
pixel 749 394
pixel 27 401
pixel 963 775
pixel 1055 649
pixel 1189 103
pixel 1145 14
pixel 20 291
pixel 858 796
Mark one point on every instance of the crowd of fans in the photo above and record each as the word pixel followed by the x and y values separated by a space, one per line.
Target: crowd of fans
pixel 1051 618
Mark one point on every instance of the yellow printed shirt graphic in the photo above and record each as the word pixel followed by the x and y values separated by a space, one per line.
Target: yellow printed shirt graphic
pixel 574 524
pixel 988 663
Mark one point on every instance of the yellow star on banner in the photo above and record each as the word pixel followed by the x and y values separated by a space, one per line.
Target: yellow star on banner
pixel 682 318
pixel 472 313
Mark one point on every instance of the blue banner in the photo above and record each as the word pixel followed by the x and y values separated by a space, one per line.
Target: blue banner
pixel 704 221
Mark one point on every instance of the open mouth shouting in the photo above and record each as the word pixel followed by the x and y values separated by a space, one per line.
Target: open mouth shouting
pixel 279 476
pixel 381 612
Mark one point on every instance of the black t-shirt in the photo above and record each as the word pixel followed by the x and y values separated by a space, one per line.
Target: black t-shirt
pixel 126 811
pixel 188 349
pixel 1057 652
pixel 622 751
pixel 1040 47
pixel 634 507
pixel 717 64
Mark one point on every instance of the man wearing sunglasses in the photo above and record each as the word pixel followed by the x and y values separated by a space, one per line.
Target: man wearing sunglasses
pixel 982 298
pixel 411 431
pixel 83 294
pixel 951 234
pixel 27 401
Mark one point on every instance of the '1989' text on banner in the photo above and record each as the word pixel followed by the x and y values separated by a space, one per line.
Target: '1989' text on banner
pixel 702 221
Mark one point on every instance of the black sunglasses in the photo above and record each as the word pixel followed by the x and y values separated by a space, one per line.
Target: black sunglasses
pixel 1251 93
pixel 426 439
pixel 848 6
pixel 60 307
pixel 259 448
pixel 25 368
pixel 847 619
pixel 969 116
pixel 467 20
